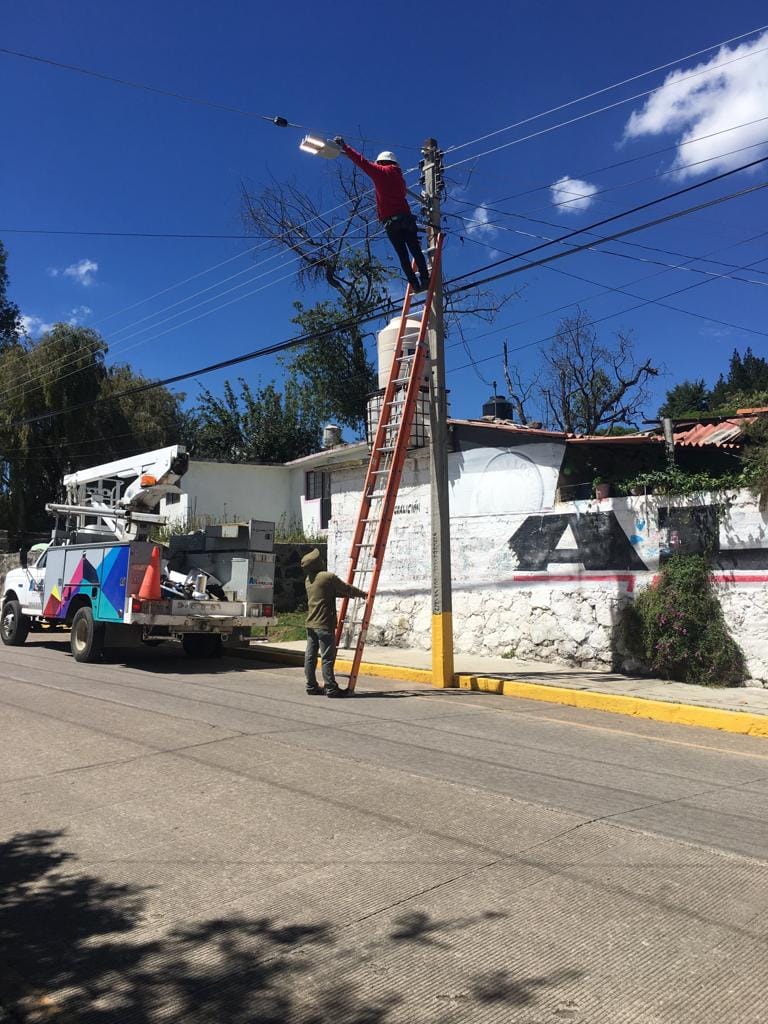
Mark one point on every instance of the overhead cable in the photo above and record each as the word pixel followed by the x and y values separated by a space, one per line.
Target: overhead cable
pixel 607 88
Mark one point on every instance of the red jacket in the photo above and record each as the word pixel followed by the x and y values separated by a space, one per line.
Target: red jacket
pixel 388 181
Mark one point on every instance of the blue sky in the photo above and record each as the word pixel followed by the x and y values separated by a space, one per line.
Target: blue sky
pixel 90 155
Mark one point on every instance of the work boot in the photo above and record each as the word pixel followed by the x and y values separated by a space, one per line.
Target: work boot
pixel 336 691
pixel 315 691
pixel 423 284
pixel 415 283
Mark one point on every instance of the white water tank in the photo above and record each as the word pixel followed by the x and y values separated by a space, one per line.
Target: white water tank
pixel 331 436
pixel 386 348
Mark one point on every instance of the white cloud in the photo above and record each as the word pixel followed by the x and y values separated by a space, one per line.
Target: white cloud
pixel 478 225
pixel 709 103
pixel 34 326
pixel 78 314
pixel 572 194
pixel 84 271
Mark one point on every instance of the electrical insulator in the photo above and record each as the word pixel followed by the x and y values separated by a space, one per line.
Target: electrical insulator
pixel 281 122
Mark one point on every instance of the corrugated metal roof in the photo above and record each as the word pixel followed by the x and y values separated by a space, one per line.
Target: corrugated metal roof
pixel 725 434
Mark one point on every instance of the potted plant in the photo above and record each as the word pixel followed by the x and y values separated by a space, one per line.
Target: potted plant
pixel 602 488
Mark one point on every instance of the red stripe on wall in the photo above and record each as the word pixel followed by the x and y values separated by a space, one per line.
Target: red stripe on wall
pixel 628 578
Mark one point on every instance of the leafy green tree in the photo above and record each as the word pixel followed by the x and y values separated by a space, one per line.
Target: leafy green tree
pixel 689 398
pixel 257 426
pixel 10 319
pixel 747 380
pixel 66 370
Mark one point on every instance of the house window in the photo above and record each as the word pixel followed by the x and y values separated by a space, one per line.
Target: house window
pixel 318 486
pixel 172 499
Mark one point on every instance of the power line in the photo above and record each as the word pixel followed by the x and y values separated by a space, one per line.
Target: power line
pixel 599 320
pixel 622 289
pixel 501 199
pixel 607 88
pixel 119 234
pixel 613 252
pixel 626 213
pixel 281 122
pixel 579 231
pixel 376 313
pixel 599 110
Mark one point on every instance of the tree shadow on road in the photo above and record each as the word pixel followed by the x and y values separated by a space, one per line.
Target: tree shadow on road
pixel 77 948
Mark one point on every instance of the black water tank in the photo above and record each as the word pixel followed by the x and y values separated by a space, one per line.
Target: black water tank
pixel 499 407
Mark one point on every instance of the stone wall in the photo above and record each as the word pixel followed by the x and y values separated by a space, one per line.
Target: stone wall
pixel 290 594
pixel 545 580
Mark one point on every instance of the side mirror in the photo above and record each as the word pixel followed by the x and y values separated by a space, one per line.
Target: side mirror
pixel 23 558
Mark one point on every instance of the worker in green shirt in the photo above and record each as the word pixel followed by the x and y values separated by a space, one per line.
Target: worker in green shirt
pixel 322 590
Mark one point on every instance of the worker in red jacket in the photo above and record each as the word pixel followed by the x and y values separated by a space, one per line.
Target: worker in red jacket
pixel 393 210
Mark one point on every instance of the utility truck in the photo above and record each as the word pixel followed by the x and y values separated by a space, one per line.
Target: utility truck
pixel 105 578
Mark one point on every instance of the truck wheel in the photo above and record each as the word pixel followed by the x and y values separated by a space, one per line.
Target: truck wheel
pixel 13 625
pixel 202 645
pixel 87 637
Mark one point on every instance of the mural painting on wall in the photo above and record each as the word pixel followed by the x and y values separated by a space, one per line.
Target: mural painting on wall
pixel 598 541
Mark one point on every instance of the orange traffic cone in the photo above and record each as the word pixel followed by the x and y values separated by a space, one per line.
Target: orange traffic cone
pixel 150 585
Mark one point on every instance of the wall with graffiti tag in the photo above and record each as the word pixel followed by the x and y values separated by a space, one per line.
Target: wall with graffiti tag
pixel 546 580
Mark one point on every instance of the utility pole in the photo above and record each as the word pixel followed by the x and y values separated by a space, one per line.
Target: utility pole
pixel 442 609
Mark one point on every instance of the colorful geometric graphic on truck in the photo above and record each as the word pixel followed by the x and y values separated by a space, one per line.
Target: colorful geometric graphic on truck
pixel 98 573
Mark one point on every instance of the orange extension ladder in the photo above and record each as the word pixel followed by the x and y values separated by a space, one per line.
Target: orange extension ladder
pixel 382 481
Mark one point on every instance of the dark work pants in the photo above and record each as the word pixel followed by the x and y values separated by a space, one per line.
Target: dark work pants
pixel 326 644
pixel 405 241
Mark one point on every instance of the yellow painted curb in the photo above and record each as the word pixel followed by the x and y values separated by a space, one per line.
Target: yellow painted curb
pixel 402 672
pixel 483 684
pixel 744 722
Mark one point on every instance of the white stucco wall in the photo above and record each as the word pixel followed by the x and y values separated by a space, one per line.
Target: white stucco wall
pixel 525 583
pixel 220 491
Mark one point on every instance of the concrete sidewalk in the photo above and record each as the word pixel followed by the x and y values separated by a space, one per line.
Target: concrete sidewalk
pixel 733 709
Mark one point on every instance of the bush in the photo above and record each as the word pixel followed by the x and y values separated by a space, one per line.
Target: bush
pixel 676 628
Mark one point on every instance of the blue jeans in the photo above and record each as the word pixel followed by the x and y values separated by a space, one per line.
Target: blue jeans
pixel 326 644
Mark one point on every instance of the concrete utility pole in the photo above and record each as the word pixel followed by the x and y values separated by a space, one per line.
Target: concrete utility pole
pixel 442 609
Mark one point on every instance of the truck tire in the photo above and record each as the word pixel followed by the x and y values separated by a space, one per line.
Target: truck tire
pixel 202 645
pixel 86 640
pixel 14 626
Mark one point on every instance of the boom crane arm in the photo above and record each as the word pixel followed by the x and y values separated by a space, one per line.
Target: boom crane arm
pixel 121 497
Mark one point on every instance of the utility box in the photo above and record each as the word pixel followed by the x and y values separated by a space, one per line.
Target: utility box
pixel 239 555
pixel 255 535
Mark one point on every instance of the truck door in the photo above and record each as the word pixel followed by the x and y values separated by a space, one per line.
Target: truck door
pixel 32 599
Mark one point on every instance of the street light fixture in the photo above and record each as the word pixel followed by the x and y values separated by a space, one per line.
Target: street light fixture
pixel 315 145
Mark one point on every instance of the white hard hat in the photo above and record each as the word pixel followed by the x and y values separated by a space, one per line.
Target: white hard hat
pixel 386 156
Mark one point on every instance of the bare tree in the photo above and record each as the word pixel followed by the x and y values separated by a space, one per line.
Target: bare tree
pixel 520 390
pixel 338 249
pixel 586 386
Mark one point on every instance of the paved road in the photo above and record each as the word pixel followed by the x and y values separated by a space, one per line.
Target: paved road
pixel 205 843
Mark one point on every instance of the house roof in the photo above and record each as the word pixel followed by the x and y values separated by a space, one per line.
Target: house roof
pixel 722 434
pixel 508 426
